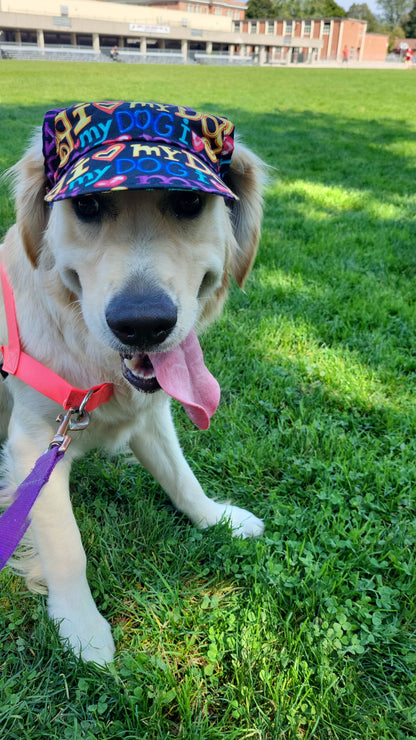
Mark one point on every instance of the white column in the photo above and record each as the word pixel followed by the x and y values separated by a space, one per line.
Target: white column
pixel 340 45
pixel 331 33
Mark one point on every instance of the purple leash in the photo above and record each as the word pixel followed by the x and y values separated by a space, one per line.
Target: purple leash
pixel 15 520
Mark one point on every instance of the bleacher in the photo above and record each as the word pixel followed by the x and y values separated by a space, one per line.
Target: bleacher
pixel 153 56
pixel 223 59
pixel 64 53
pixel 68 53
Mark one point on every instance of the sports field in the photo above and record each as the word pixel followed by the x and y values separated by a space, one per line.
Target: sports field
pixel 309 632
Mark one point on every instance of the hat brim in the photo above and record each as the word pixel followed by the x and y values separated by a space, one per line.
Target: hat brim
pixel 137 166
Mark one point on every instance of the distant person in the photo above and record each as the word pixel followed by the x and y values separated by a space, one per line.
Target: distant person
pixel 114 53
pixel 409 58
pixel 345 55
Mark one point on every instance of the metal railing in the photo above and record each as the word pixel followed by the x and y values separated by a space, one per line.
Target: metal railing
pixel 69 53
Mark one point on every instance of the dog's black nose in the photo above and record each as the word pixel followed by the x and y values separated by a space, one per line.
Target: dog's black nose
pixel 142 320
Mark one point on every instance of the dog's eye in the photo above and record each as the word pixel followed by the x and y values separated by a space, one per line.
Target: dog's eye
pixel 87 208
pixel 186 203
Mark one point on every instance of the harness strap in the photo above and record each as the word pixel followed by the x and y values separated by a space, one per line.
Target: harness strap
pixel 30 371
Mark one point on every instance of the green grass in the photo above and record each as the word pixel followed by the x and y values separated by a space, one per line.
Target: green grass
pixel 309 632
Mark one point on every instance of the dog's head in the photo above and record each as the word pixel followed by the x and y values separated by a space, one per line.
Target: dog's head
pixel 149 263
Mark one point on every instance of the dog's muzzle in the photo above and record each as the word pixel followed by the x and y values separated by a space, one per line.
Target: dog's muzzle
pixel 141 323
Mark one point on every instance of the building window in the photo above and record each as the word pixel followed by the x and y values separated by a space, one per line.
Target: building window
pixel 288 28
pixel 327 27
pixel 237 26
pixel 307 28
pixel 253 27
pixel 270 26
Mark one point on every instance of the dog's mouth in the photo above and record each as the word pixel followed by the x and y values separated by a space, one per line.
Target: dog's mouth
pixel 182 374
pixel 139 372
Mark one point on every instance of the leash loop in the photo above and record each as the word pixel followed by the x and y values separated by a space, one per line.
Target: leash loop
pixel 61 439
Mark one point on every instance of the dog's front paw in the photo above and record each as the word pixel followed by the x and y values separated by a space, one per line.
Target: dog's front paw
pixel 84 631
pixel 242 522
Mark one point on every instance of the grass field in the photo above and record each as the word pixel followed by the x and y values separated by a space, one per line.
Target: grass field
pixel 309 632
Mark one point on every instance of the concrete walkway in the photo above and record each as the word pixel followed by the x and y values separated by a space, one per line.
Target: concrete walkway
pixel 351 65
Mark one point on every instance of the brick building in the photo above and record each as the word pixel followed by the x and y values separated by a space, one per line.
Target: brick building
pixel 313 39
pixel 228 8
pixel 187 27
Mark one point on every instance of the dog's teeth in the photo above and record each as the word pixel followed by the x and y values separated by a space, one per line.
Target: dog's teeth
pixel 128 361
pixel 131 366
pixel 141 368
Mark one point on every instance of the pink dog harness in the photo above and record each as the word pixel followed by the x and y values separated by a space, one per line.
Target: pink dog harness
pixel 18 363
pixel 15 521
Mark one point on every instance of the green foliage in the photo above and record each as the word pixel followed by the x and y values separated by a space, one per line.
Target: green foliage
pixel 323 9
pixel 393 12
pixel 362 12
pixel 409 26
pixel 396 33
pixel 294 9
pixel 309 632
pixel 260 9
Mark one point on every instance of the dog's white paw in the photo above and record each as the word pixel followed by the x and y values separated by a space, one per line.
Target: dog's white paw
pixel 243 522
pixel 85 631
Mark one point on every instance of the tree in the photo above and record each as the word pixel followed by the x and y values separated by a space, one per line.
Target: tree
pixel 294 9
pixel 395 33
pixel 409 26
pixel 393 11
pixel 362 12
pixel 288 8
pixel 323 9
pixel 259 9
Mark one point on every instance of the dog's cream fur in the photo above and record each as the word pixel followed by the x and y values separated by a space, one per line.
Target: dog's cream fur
pixel 64 272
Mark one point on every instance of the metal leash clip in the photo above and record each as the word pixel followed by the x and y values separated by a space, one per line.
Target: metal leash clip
pixel 61 439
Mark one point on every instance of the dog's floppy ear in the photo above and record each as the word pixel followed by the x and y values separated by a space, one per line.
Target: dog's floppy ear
pixel 246 179
pixel 29 191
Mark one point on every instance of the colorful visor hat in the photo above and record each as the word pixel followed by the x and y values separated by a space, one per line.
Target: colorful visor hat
pixel 95 147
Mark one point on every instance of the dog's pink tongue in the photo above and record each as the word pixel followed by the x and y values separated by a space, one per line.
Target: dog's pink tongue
pixel 183 375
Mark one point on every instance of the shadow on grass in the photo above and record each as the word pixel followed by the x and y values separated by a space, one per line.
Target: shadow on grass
pixel 337 255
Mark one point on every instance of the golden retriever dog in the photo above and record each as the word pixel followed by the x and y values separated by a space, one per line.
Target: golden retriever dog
pixel 130 220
